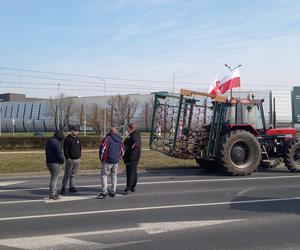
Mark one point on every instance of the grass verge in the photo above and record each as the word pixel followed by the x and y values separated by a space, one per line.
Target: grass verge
pixel 23 162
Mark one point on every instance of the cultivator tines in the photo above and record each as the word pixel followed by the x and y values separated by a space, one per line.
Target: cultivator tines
pixel 180 125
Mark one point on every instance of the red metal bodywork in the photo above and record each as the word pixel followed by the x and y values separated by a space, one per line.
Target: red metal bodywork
pixel 246 127
pixel 281 131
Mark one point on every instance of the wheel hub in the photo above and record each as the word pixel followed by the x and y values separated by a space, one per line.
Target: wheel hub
pixel 239 153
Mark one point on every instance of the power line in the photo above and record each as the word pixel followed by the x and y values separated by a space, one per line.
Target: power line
pixel 75 81
pixel 86 76
pixel 128 85
pixel 91 87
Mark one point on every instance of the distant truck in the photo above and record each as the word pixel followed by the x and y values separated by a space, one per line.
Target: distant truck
pixel 219 133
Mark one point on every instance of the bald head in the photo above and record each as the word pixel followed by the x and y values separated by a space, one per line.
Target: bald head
pixel 113 130
pixel 132 126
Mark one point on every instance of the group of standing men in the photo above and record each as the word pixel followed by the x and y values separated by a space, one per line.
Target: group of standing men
pixel 112 149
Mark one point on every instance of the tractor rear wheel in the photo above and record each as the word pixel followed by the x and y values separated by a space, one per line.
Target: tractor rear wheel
pixel 239 153
pixel 292 156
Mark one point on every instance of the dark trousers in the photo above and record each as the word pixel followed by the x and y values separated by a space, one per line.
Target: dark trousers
pixel 131 174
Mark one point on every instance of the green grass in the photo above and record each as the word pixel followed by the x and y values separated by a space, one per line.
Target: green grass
pixel 23 162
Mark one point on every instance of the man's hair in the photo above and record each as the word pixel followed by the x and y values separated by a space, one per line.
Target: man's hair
pixel 132 126
pixel 59 135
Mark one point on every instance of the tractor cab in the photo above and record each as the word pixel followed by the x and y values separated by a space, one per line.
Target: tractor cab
pixel 246 114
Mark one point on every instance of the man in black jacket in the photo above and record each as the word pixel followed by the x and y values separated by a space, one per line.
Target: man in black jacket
pixel 132 156
pixel 72 152
pixel 54 157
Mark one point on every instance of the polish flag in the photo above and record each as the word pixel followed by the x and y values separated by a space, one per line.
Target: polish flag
pixel 233 80
pixel 214 86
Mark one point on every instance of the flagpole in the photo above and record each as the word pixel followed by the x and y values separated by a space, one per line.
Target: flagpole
pixel 227 66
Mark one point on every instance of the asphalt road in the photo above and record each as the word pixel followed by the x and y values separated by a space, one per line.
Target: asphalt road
pixel 189 209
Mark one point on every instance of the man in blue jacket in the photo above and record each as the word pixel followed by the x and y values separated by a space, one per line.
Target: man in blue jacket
pixel 54 158
pixel 111 151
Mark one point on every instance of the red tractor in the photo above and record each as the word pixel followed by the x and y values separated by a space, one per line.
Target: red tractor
pixel 236 138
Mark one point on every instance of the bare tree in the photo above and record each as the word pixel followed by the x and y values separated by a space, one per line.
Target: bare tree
pixel 123 108
pixel 148 111
pixel 95 117
pixel 61 110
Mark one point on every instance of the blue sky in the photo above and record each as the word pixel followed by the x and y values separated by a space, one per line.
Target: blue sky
pixel 149 39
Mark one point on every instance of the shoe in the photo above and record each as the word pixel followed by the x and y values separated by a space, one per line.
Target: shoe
pixel 101 196
pixel 112 194
pixel 63 191
pixel 132 190
pixel 54 197
pixel 73 190
pixel 126 191
pixel 58 197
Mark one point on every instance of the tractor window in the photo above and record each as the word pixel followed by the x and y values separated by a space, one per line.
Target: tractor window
pixel 230 116
pixel 252 116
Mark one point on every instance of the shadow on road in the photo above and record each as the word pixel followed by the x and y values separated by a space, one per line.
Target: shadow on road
pixel 291 206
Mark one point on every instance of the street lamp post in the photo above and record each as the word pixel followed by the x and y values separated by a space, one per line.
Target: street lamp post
pixel 1 100
pixel 104 125
pixel 232 69
pixel 174 74
pixel 58 85
pixel 84 123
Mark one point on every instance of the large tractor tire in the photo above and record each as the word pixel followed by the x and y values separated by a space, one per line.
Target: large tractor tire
pixel 239 153
pixel 292 156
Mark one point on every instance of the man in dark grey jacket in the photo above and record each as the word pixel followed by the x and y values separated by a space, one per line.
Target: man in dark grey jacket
pixel 72 152
pixel 54 158
pixel 131 157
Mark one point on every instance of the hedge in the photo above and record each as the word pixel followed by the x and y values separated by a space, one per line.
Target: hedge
pixel 11 143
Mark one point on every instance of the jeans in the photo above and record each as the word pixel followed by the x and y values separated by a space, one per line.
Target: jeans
pixel 131 174
pixel 54 169
pixel 71 169
pixel 109 168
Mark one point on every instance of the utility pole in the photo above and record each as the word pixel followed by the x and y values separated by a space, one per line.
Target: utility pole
pixel 84 124
pixel 174 74
pixel 104 125
pixel 1 100
pixel 58 85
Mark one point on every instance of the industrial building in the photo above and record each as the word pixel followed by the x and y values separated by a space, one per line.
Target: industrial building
pixel 20 113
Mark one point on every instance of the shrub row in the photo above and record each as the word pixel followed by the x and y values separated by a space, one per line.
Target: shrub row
pixel 21 143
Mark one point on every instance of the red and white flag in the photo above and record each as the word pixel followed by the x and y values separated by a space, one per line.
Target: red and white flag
pixel 214 86
pixel 232 80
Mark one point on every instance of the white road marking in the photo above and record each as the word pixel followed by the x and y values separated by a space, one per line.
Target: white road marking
pixel 20 201
pixel 47 200
pixel 243 192
pixel 69 198
pixel 67 240
pixel 132 209
pixel 172 182
pixel 59 242
pixel 163 227
pixel 8 183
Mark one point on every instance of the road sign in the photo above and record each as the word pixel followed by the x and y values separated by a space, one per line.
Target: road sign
pixel 296 104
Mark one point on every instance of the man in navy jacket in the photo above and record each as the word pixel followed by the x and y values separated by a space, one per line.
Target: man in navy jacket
pixel 54 158
pixel 111 151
